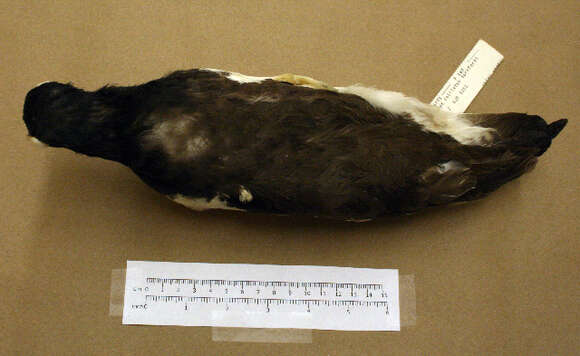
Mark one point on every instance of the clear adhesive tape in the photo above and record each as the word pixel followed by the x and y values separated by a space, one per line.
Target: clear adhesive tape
pixel 298 336
pixel 407 302
pixel 117 298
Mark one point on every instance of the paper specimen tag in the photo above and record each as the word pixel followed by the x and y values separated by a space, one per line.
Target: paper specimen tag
pixel 261 296
pixel 468 78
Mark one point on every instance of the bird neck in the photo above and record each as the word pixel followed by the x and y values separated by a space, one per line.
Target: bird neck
pixel 104 129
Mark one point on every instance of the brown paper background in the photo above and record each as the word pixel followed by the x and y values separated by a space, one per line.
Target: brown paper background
pixel 499 276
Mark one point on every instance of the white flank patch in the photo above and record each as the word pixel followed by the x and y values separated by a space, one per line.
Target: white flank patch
pixel 300 80
pixel 214 70
pixel 238 77
pixel 201 204
pixel 241 78
pixel 430 117
pixel 245 195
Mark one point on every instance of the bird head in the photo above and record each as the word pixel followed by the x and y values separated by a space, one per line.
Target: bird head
pixel 51 111
pixel 60 115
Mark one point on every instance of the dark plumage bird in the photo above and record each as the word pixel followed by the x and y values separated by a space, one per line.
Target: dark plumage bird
pixel 289 144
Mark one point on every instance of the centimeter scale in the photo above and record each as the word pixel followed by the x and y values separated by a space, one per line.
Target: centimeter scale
pixel 267 293
pixel 161 293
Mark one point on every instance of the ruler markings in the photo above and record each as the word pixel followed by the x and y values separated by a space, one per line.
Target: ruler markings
pixel 271 296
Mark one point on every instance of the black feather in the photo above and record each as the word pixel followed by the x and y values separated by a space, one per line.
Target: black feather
pixel 296 149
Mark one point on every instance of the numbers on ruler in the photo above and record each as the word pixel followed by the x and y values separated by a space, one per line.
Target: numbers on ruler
pixel 349 297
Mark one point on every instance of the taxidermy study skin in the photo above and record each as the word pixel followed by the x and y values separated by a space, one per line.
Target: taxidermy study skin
pixel 289 144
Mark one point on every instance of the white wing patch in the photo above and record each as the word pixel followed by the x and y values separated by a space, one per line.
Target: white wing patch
pixel 202 204
pixel 430 117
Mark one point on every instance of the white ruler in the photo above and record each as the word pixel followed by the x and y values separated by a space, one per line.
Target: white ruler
pixel 468 78
pixel 261 296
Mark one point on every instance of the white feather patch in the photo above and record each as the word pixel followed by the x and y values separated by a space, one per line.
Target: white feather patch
pixel 430 117
pixel 245 195
pixel 238 77
pixel 202 204
pixel 37 141
pixel 168 134
pixel 39 84
pixel 241 78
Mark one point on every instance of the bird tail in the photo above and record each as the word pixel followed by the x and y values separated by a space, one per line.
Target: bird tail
pixel 520 131
pixel 519 140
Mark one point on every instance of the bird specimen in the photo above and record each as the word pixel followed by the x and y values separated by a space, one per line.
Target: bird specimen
pixel 289 144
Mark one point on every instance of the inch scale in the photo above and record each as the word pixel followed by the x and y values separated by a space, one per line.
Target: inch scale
pixel 261 296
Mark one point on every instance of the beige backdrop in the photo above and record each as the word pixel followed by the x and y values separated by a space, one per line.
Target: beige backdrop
pixel 499 276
